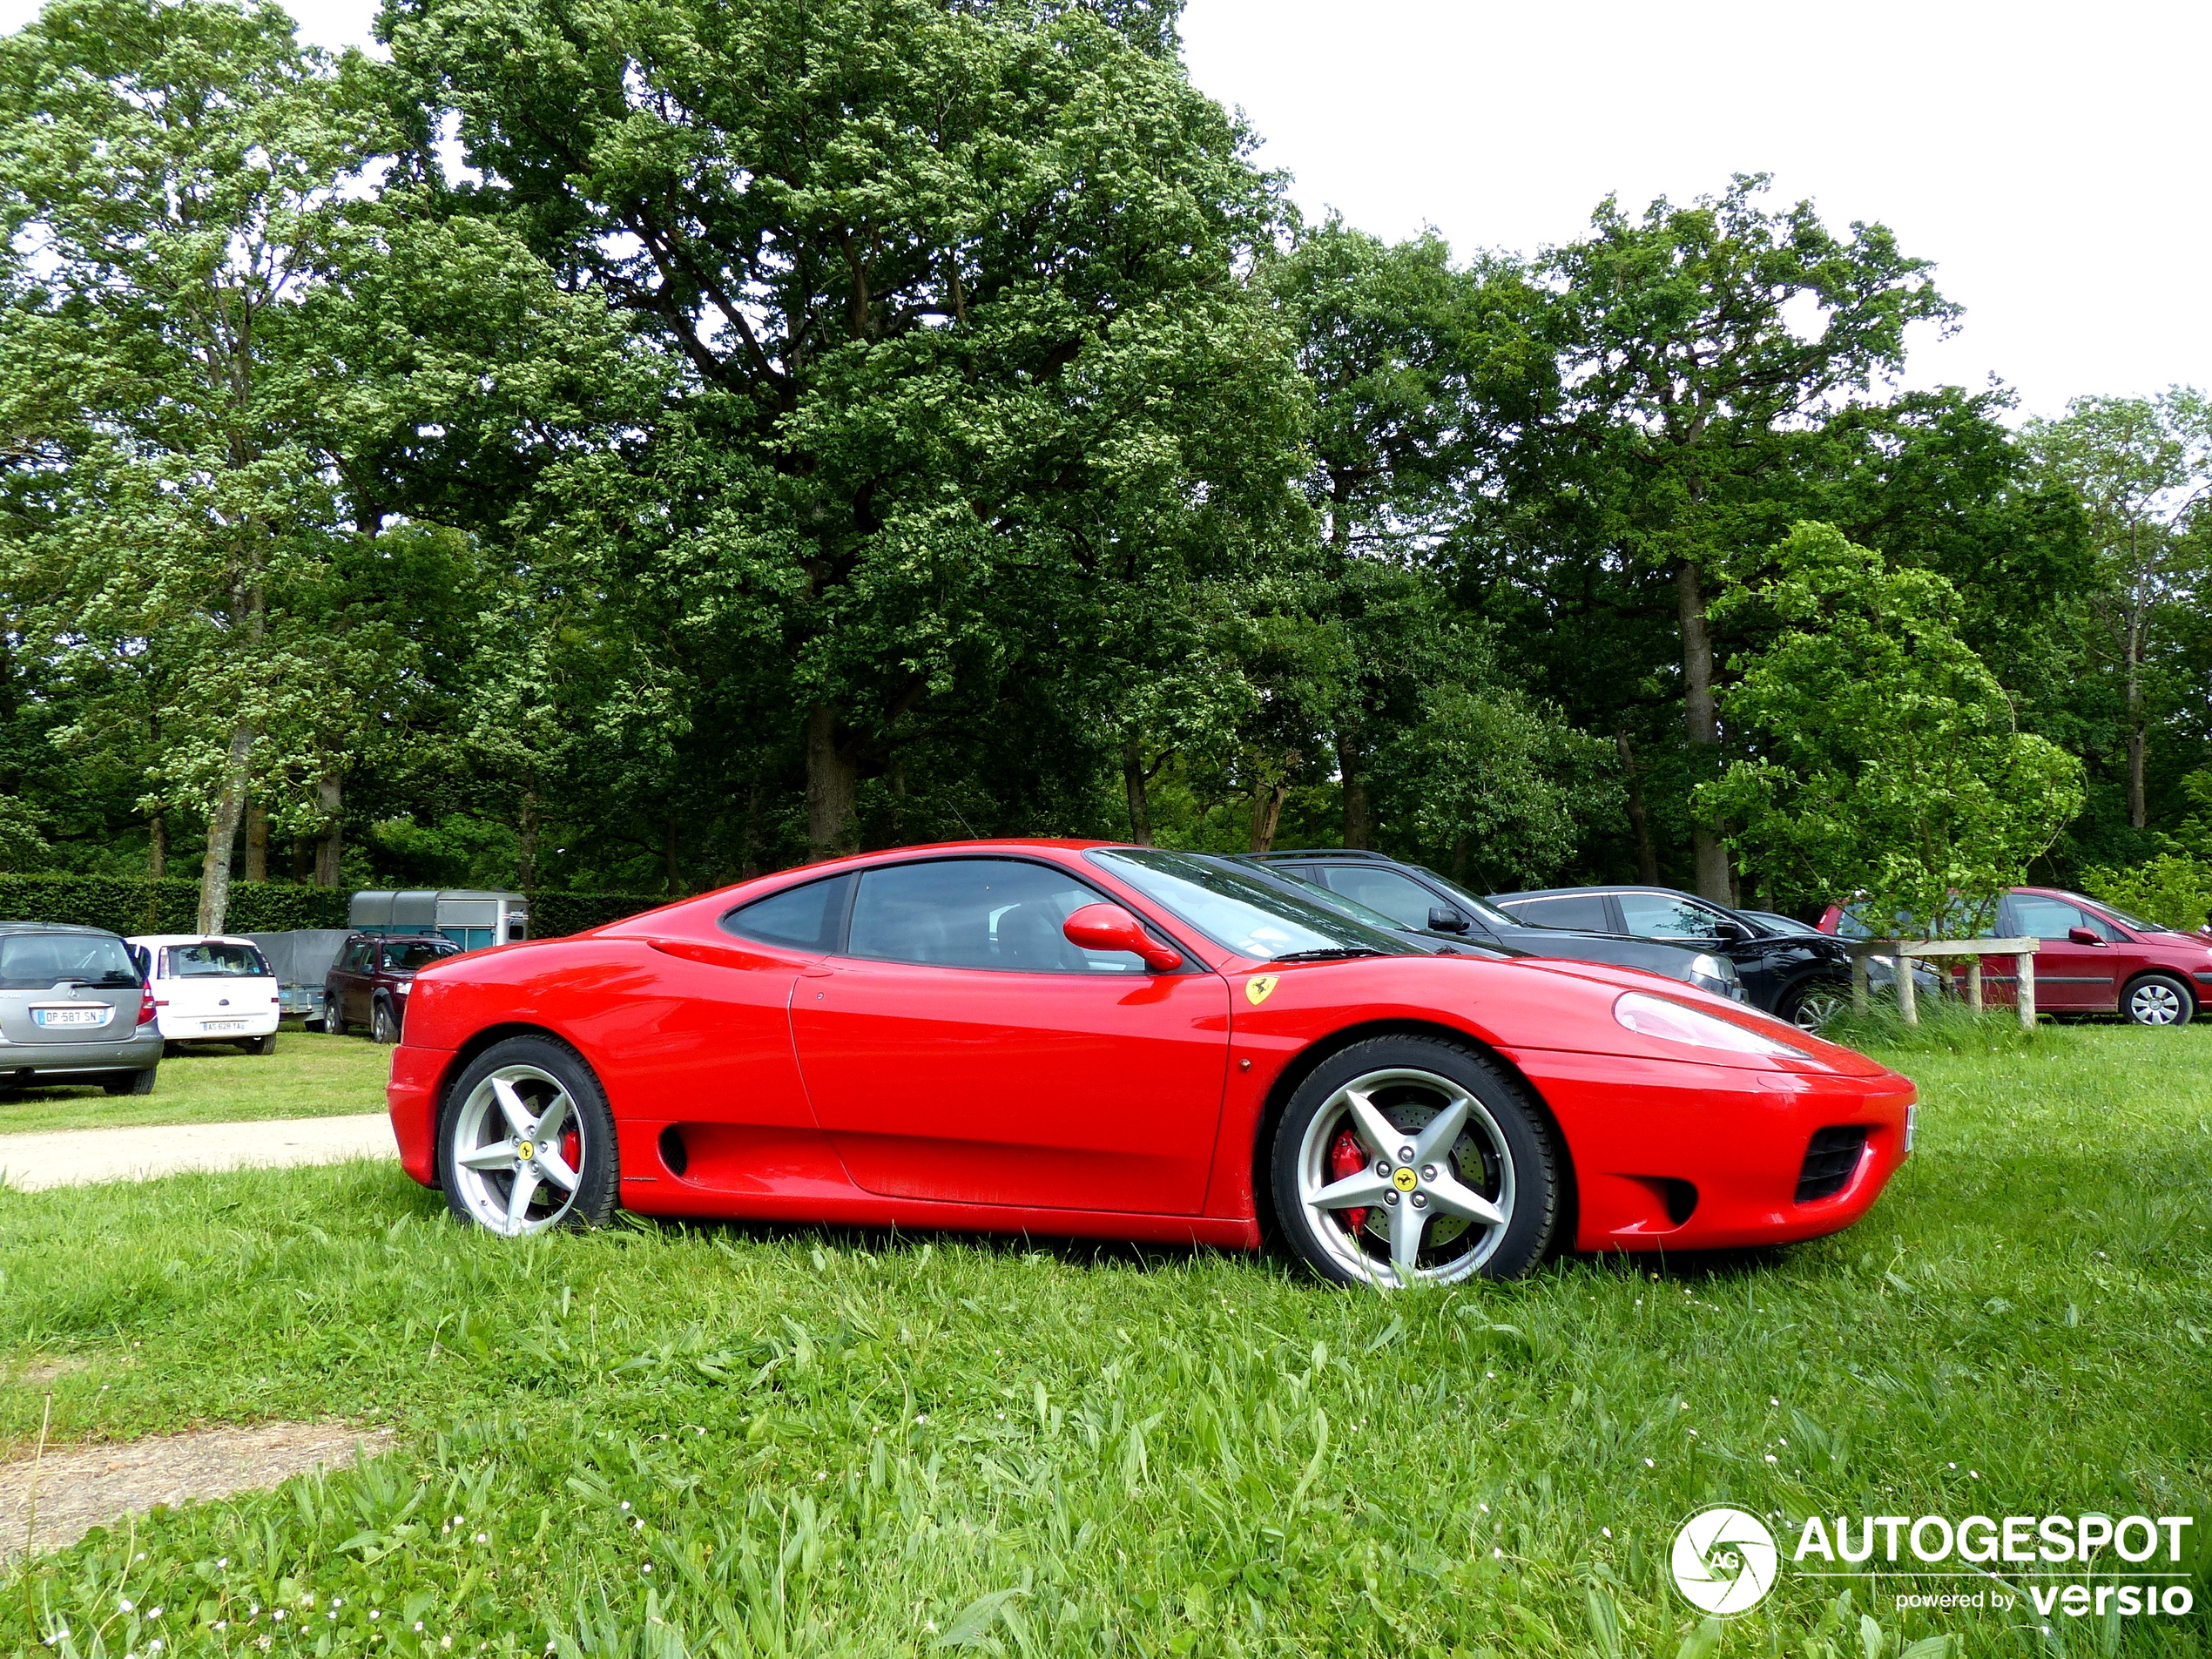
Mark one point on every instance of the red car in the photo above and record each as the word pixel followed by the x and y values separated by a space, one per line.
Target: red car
pixel 2093 960
pixel 1082 1038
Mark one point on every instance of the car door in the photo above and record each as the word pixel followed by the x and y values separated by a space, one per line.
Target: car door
pixel 346 981
pixel 959 1048
pixel 2069 975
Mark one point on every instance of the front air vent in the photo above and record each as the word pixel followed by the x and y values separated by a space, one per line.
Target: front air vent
pixel 1830 1162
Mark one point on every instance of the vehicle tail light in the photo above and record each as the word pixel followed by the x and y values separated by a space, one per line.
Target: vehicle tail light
pixel 147 1006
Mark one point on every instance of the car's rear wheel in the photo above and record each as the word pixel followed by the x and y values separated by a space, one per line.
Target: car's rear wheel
pixel 526 1140
pixel 2157 999
pixel 383 1024
pixel 1812 1006
pixel 136 1082
pixel 1413 1160
pixel 262 1044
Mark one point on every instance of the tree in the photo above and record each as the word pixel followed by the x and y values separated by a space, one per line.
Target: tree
pixel 167 174
pixel 1889 763
pixel 2141 467
pixel 953 299
pixel 1693 380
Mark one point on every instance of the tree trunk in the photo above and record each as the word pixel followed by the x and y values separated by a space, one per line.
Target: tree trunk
pixel 1358 813
pixel 671 863
pixel 330 798
pixel 526 842
pixel 222 831
pixel 1136 787
pixel 257 840
pixel 1639 820
pixel 833 788
pixel 1267 813
pixel 157 846
pixel 2138 815
pixel 1702 718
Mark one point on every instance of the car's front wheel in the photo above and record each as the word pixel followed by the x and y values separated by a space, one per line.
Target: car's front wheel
pixel 383 1024
pixel 2157 999
pixel 526 1140
pixel 1812 1006
pixel 1414 1160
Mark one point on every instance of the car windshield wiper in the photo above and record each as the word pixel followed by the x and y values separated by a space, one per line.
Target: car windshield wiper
pixel 1333 953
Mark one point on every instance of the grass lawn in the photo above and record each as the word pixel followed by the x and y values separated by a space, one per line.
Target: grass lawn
pixel 309 1076
pixel 658 1441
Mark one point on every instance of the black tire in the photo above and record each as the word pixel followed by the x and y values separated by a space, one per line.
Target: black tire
pixel 476 1195
pixel 1811 1005
pixel 261 1045
pixel 2157 999
pixel 1503 1157
pixel 334 1021
pixel 136 1082
pixel 383 1023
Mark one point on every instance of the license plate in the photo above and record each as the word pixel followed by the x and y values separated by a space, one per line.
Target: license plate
pixel 71 1016
pixel 222 1025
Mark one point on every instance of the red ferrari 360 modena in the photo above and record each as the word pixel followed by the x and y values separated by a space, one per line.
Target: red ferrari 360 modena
pixel 1070 1037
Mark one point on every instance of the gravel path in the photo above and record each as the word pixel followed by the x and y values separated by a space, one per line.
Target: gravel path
pixel 77 1157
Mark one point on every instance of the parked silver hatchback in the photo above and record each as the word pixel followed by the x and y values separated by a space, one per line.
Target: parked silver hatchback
pixel 74 1010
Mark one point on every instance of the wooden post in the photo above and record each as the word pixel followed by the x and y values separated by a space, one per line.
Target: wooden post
pixel 1974 983
pixel 1857 984
pixel 1908 1002
pixel 2026 960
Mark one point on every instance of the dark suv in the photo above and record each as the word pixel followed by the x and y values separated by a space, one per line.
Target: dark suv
pixel 1420 899
pixel 370 981
pixel 1802 977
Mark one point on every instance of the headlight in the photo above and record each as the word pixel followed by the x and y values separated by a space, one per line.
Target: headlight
pixel 1653 1017
pixel 1712 967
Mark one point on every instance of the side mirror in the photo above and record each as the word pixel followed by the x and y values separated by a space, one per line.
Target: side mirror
pixel 2082 936
pixel 1445 920
pixel 1108 927
pixel 1730 933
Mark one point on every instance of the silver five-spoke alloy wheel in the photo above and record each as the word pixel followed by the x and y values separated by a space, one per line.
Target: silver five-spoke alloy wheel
pixel 1434 1192
pixel 513 1141
pixel 2155 1002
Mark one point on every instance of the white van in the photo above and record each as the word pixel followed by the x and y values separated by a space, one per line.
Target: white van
pixel 209 989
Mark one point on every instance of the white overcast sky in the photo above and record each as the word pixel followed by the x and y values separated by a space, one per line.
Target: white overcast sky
pixel 2050 158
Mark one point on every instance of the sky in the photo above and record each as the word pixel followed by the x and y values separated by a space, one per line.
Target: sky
pixel 2050 159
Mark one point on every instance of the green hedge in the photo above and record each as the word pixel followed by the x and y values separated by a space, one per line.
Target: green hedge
pixel 137 905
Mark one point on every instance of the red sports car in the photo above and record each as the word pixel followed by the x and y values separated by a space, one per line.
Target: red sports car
pixel 1071 1037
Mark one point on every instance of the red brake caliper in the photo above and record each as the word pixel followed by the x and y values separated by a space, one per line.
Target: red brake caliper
pixel 571 1148
pixel 1348 1157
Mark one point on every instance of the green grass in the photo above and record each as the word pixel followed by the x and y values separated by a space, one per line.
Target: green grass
pixel 827 1443
pixel 309 1076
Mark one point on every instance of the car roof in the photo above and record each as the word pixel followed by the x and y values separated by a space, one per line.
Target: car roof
pixel 55 927
pixel 188 939
pixel 1606 886
pixel 1321 853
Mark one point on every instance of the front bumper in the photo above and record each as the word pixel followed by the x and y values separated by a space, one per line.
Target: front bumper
pixel 134 1053
pixel 412 1097
pixel 1681 1155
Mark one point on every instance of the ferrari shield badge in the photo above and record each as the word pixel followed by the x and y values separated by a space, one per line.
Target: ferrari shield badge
pixel 1260 989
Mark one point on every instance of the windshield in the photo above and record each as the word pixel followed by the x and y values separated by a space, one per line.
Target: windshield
pixel 212 958
pixel 1481 909
pixel 1244 913
pixel 40 962
pixel 409 954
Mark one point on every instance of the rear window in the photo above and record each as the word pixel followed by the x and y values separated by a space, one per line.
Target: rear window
pixel 40 962
pixel 214 960
pixel 1584 910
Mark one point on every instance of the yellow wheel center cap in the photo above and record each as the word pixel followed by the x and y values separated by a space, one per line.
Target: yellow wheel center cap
pixel 1404 1179
pixel 526 1150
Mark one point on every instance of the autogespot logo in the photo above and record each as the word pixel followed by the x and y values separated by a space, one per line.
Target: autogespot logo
pixel 1725 1560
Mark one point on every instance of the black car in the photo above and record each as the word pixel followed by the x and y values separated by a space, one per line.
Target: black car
pixel 1802 977
pixel 1420 901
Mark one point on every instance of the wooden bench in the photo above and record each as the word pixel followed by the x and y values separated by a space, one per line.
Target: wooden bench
pixel 1906 950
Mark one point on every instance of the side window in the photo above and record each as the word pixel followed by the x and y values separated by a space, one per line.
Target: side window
pixel 976 912
pixel 1404 900
pixel 1584 910
pixel 351 961
pixel 806 917
pixel 2037 917
pixel 1666 915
